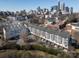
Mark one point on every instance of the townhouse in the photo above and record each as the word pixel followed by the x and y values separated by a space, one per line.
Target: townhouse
pixel 60 38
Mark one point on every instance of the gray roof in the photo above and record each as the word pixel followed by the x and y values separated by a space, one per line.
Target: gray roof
pixel 51 20
pixel 75 24
pixel 13 27
pixel 52 31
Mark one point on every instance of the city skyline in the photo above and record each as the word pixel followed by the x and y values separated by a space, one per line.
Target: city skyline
pixel 15 5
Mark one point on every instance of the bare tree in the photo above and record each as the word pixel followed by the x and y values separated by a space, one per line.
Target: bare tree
pixel 23 38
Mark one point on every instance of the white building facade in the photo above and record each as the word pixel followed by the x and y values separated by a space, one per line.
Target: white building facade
pixel 60 40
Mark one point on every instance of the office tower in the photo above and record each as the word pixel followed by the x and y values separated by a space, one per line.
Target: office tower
pixel 71 10
pixel 39 9
pixel 44 9
pixel 54 8
pixel 62 6
pixel 67 9
pixel 59 5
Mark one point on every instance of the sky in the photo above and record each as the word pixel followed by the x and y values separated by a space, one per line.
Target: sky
pixel 17 5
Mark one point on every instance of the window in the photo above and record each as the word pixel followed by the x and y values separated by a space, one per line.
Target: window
pixel 66 42
pixel 37 32
pixel 52 37
pixel 48 36
pixel 40 32
pixel 43 33
pixel 55 38
pixel 32 29
pixel 60 40
pixel 63 41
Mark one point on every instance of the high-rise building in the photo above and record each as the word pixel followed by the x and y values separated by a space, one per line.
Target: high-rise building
pixel 54 8
pixel 59 5
pixel 62 6
pixel 71 10
pixel 39 9
pixel 67 9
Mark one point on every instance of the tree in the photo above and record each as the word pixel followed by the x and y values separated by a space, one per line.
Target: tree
pixel 2 42
pixel 72 18
pixel 23 38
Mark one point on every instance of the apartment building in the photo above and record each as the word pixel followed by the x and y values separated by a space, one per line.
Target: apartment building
pixel 60 38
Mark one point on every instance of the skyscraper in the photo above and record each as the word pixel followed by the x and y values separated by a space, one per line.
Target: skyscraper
pixel 71 10
pixel 62 6
pixel 38 8
pixel 67 9
pixel 54 8
pixel 58 5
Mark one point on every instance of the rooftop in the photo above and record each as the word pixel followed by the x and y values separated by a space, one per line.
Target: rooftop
pixel 75 24
pixel 51 31
pixel 14 27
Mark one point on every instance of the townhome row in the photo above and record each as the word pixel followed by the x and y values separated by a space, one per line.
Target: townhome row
pixel 60 38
